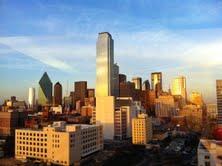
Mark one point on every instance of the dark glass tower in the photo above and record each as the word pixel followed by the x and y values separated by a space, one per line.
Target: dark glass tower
pixel 57 94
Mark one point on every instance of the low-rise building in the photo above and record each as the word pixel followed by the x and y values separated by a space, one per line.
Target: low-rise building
pixel 209 153
pixel 59 143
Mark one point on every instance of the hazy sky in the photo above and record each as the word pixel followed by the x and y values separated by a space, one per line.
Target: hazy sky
pixel 176 37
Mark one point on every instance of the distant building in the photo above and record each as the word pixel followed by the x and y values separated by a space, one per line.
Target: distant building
pixel 165 106
pixel 122 78
pixel 196 98
pixel 146 85
pixel 81 90
pixel 219 101
pixel 10 120
pixel 141 129
pixel 59 144
pixel 45 90
pixel 179 87
pixel 31 97
pixel 57 94
pixel 209 153
pixel 212 110
pixel 138 82
pixel 156 83
pixel 116 80
pixel 91 92
pixel 104 65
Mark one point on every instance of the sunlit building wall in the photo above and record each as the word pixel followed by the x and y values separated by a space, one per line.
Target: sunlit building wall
pixel 104 65
pixel 156 82
pixel 146 85
pixel 142 129
pixel 138 82
pixel 196 98
pixel 31 97
pixel 179 87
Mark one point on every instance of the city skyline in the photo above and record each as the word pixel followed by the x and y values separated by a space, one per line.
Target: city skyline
pixel 173 43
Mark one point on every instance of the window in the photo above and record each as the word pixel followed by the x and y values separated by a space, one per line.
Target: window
pixel 207 163
pixel 207 157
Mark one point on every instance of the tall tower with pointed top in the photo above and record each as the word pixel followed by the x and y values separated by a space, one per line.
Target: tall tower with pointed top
pixel 45 90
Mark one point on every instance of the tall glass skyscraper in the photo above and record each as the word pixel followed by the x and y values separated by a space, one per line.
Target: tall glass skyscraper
pixel 104 65
pixel 179 87
pixel 31 97
pixel 45 90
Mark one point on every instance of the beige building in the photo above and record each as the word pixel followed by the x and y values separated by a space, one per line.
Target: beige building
pixel 165 106
pixel 209 153
pixel 141 129
pixel 179 87
pixel 196 98
pixel 212 110
pixel 59 143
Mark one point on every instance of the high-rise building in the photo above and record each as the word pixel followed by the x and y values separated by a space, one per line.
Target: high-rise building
pixel 196 98
pixel 138 82
pixel 31 98
pixel 142 129
pixel 91 92
pixel 146 85
pixel 45 90
pixel 116 79
pixel 81 90
pixel 122 78
pixel 156 82
pixel 219 101
pixel 57 94
pixel 179 87
pixel 72 141
pixel 104 65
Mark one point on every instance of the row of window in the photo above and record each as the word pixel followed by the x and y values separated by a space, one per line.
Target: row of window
pixel 31 134
pixel 32 139
pixel 31 143
pixel 34 149
pixel 31 154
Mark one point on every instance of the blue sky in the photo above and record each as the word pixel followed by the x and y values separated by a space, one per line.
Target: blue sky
pixel 176 37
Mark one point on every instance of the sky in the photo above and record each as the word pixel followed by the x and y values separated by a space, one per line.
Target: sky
pixel 175 37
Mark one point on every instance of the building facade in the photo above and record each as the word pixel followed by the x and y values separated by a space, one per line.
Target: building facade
pixel 141 129
pixel 219 101
pixel 60 143
pixel 57 94
pixel 31 97
pixel 81 90
pixel 179 87
pixel 138 82
pixel 45 90
pixel 104 65
pixel 156 82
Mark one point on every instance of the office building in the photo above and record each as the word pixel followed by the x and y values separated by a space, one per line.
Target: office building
pixel 59 143
pixel 156 83
pixel 104 65
pixel 146 85
pixel 91 92
pixel 116 80
pixel 212 111
pixel 219 101
pixel 209 153
pixel 179 87
pixel 120 124
pixel 165 106
pixel 138 82
pixel 81 90
pixel 141 129
pixel 45 90
pixel 31 97
pixel 57 94
pixel 122 78
pixel 196 98
pixel 105 109
pixel 10 120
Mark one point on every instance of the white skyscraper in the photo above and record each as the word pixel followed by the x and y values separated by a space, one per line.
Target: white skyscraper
pixel 179 87
pixel 105 100
pixel 31 97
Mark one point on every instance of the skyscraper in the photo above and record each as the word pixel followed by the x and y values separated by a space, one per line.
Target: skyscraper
pixel 104 65
pixel 122 78
pixel 146 85
pixel 57 94
pixel 196 98
pixel 45 90
pixel 105 101
pixel 138 82
pixel 219 101
pixel 31 98
pixel 81 90
pixel 116 80
pixel 156 82
pixel 179 87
